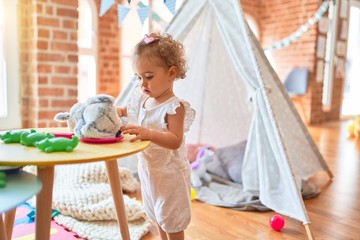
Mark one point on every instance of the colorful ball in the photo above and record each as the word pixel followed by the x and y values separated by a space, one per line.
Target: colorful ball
pixel 277 222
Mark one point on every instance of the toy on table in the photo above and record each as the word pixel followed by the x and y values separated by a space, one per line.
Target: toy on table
pixel 60 144
pixel 96 118
pixel 198 167
pixel 2 179
pixel 29 139
pixel 13 136
pixel 277 222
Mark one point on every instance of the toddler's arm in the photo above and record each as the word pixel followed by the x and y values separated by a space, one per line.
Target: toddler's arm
pixel 171 139
pixel 122 111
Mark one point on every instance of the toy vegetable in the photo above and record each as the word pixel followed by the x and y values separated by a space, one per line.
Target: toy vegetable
pixel 2 179
pixel 13 136
pixel 29 139
pixel 60 144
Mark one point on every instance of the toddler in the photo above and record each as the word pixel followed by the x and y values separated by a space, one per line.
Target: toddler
pixel 156 114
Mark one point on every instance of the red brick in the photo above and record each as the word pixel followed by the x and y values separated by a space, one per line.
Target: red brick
pixel 60 34
pixel 49 22
pixel 72 81
pixel 66 12
pixel 69 24
pixel 63 46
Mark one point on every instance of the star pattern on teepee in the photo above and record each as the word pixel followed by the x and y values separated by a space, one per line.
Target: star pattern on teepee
pixel 105 5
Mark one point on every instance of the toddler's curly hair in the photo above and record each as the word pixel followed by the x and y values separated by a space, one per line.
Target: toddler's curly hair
pixel 164 47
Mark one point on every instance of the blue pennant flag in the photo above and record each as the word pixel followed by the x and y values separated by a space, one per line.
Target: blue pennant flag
pixel 129 1
pixel 105 5
pixel 122 12
pixel 143 13
pixel 170 4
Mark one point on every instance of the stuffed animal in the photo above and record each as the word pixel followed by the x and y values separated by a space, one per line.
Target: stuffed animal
pixel 96 118
pixel 198 167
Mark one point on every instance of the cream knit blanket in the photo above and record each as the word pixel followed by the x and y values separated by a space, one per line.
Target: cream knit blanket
pixel 82 195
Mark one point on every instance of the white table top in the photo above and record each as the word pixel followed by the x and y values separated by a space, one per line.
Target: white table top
pixel 20 186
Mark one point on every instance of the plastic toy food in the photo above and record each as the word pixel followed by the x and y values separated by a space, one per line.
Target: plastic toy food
pixel 29 139
pixel 60 144
pixel 13 136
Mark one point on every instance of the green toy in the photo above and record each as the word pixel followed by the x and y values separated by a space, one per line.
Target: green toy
pixel 13 136
pixel 29 139
pixel 2 179
pixel 60 144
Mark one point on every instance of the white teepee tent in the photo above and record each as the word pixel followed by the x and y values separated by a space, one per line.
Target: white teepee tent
pixel 238 96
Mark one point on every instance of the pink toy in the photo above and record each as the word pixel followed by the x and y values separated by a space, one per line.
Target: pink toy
pixel 277 222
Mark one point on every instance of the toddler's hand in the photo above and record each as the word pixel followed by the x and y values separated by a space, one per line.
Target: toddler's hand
pixel 140 132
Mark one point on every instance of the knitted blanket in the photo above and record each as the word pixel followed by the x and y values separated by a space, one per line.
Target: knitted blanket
pixel 82 195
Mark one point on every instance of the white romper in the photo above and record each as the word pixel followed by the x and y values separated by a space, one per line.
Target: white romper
pixel 164 173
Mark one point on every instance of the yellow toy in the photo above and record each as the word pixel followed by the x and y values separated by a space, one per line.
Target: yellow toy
pixel 354 129
pixel 192 194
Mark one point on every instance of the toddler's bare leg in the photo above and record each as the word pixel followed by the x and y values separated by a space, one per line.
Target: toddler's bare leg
pixel 162 234
pixel 176 236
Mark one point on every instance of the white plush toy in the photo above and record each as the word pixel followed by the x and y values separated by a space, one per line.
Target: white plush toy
pixel 198 167
pixel 96 118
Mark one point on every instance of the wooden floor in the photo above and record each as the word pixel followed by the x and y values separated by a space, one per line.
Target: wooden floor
pixel 334 214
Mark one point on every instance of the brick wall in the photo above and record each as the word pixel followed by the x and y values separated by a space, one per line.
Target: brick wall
pixel 49 58
pixel 48 53
pixel 109 55
pixel 280 19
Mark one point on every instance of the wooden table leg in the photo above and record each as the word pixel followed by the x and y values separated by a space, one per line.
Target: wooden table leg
pixel 116 189
pixel 9 222
pixel 44 203
pixel 2 229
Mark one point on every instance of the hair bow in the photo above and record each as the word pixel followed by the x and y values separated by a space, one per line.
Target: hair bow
pixel 148 39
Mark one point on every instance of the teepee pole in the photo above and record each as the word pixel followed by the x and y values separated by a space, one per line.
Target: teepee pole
pixel 308 232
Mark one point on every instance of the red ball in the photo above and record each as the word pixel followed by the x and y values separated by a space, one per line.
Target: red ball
pixel 277 222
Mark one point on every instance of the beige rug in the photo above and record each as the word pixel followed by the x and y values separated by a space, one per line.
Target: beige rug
pixel 83 196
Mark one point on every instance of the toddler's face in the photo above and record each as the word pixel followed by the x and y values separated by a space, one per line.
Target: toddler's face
pixel 155 80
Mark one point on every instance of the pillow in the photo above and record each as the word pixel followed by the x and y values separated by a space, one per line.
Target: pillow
pixel 231 159
pixel 214 166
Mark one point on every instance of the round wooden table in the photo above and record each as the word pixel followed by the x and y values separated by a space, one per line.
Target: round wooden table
pixel 17 154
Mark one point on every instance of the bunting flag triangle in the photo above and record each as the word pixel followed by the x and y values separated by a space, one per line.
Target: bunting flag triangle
pixel 122 12
pixel 143 13
pixel 104 6
pixel 170 4
pixel 129 1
